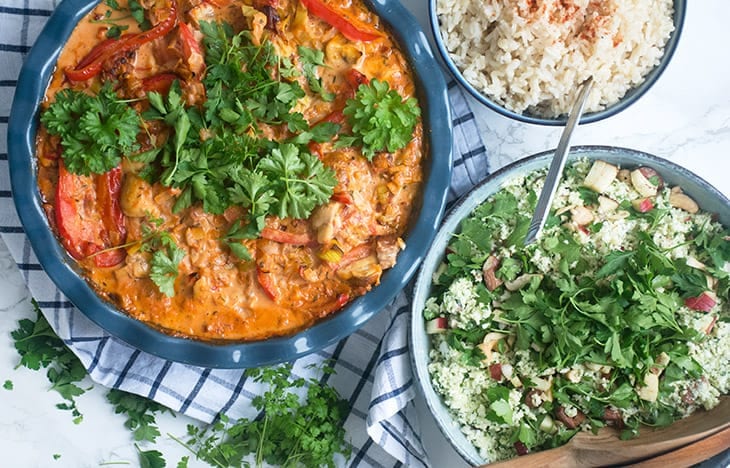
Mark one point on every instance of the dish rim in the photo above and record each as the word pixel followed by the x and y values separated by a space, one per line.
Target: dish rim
pixel 418 341
pixel 22 128
pixel 631 96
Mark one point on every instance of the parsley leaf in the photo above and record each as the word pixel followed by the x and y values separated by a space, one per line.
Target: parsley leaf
pixel 150 458
pixel 290 431
pixel 300 179
pixel 96 131
pixel 381 120
pixel 311 59
pixel 140 413
pixel 163 266
pixel 39 346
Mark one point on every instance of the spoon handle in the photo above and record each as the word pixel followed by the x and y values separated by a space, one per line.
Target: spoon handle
pixel 556 166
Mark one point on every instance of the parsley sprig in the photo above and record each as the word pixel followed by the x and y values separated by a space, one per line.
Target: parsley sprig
pixel 233 164
pixel 380 118
pixel 96 131
pixel 289 433
pixel 40 347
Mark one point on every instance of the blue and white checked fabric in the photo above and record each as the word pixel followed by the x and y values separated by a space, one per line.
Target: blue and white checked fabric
pixel 372 365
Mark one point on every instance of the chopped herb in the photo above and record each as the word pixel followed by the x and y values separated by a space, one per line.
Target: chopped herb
pixel 289 432
pixel 40 347
pixel 8 385
pixel 140 413
pixel 381 120
pixel 150 458
pixel 311 59
pixel 96 131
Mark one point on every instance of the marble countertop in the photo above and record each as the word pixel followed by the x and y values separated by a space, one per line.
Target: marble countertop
pixel 685 117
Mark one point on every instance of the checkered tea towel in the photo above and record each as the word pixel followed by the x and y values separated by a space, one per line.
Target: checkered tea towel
pixel 372 367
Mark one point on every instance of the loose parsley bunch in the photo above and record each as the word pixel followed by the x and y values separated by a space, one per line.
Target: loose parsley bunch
pixel 40 347
pixel 380 118
pixel 289 433
pixel 96 131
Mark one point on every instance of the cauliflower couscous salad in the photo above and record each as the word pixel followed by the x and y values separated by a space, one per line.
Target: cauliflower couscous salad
pixel 617 316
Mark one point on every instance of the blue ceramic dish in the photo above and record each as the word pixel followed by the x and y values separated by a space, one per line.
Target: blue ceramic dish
pixel 633 95
pixel 61 268
pixel 708 197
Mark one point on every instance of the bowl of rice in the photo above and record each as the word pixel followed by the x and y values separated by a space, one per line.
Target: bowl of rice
pixel 619 315
pixel 525 58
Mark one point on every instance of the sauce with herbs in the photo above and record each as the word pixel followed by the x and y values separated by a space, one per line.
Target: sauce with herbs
pixel 185 243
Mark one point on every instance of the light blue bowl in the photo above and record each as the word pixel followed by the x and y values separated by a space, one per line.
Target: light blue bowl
pixel 61 268
pixel 708 197
pixel 633 95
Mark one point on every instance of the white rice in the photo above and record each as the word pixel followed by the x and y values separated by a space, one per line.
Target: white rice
pixel 529 55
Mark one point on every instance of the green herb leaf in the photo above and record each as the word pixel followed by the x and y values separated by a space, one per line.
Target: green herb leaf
pixel 96 131
pixel 381 120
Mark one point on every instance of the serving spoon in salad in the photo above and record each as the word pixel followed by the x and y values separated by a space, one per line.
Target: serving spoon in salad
pixel 684 442
pixel 558 163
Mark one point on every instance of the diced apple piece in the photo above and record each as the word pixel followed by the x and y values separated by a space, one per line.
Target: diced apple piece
pixel 650 389
pixel 495 371
pixel 642 205
pixel 606 204
pixel 489 343
pixel 647 186
pixel 702 303
pixel 488 271
pixel 547 425
pixel 694 263
pixel 680 200
pixel 581 215
pixel 437 325
pixel 521 448
pixel 600 176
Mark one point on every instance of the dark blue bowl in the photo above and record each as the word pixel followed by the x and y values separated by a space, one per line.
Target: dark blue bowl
pixel 633 95
pixel 62 269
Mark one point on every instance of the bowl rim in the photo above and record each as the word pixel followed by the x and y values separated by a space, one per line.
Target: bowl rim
pixel 418 342
pixel 22 126
pixel 631 96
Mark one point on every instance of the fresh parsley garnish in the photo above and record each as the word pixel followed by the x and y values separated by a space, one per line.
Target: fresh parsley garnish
pixel 150 458
pixel 96 131
pixel 381 120
pixel 8 385
pixel 310 60
pixel 140 413
pixel 40 347
pixel 164 264
pixel 290 432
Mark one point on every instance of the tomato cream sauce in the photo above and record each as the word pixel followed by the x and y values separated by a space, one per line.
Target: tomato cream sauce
pixel 302 270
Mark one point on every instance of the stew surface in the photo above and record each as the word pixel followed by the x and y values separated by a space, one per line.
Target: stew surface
pixel 231 170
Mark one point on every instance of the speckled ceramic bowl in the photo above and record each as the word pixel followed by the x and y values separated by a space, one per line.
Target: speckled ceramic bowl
pixel 633 95
pixel 709 198
pixel 61 269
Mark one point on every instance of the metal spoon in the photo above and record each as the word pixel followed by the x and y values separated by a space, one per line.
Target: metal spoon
pixel 556 166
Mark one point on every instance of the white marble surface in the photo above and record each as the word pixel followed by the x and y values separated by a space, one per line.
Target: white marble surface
pixel 685 117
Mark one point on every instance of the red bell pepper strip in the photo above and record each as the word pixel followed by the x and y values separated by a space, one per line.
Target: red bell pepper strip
pixel 159 83
pixel 355 78
pixel 90 66
pixel 75 236
pixel 80 236
pixel 108 189
pixel 338 20
pixel 265 283
pixel 284 237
